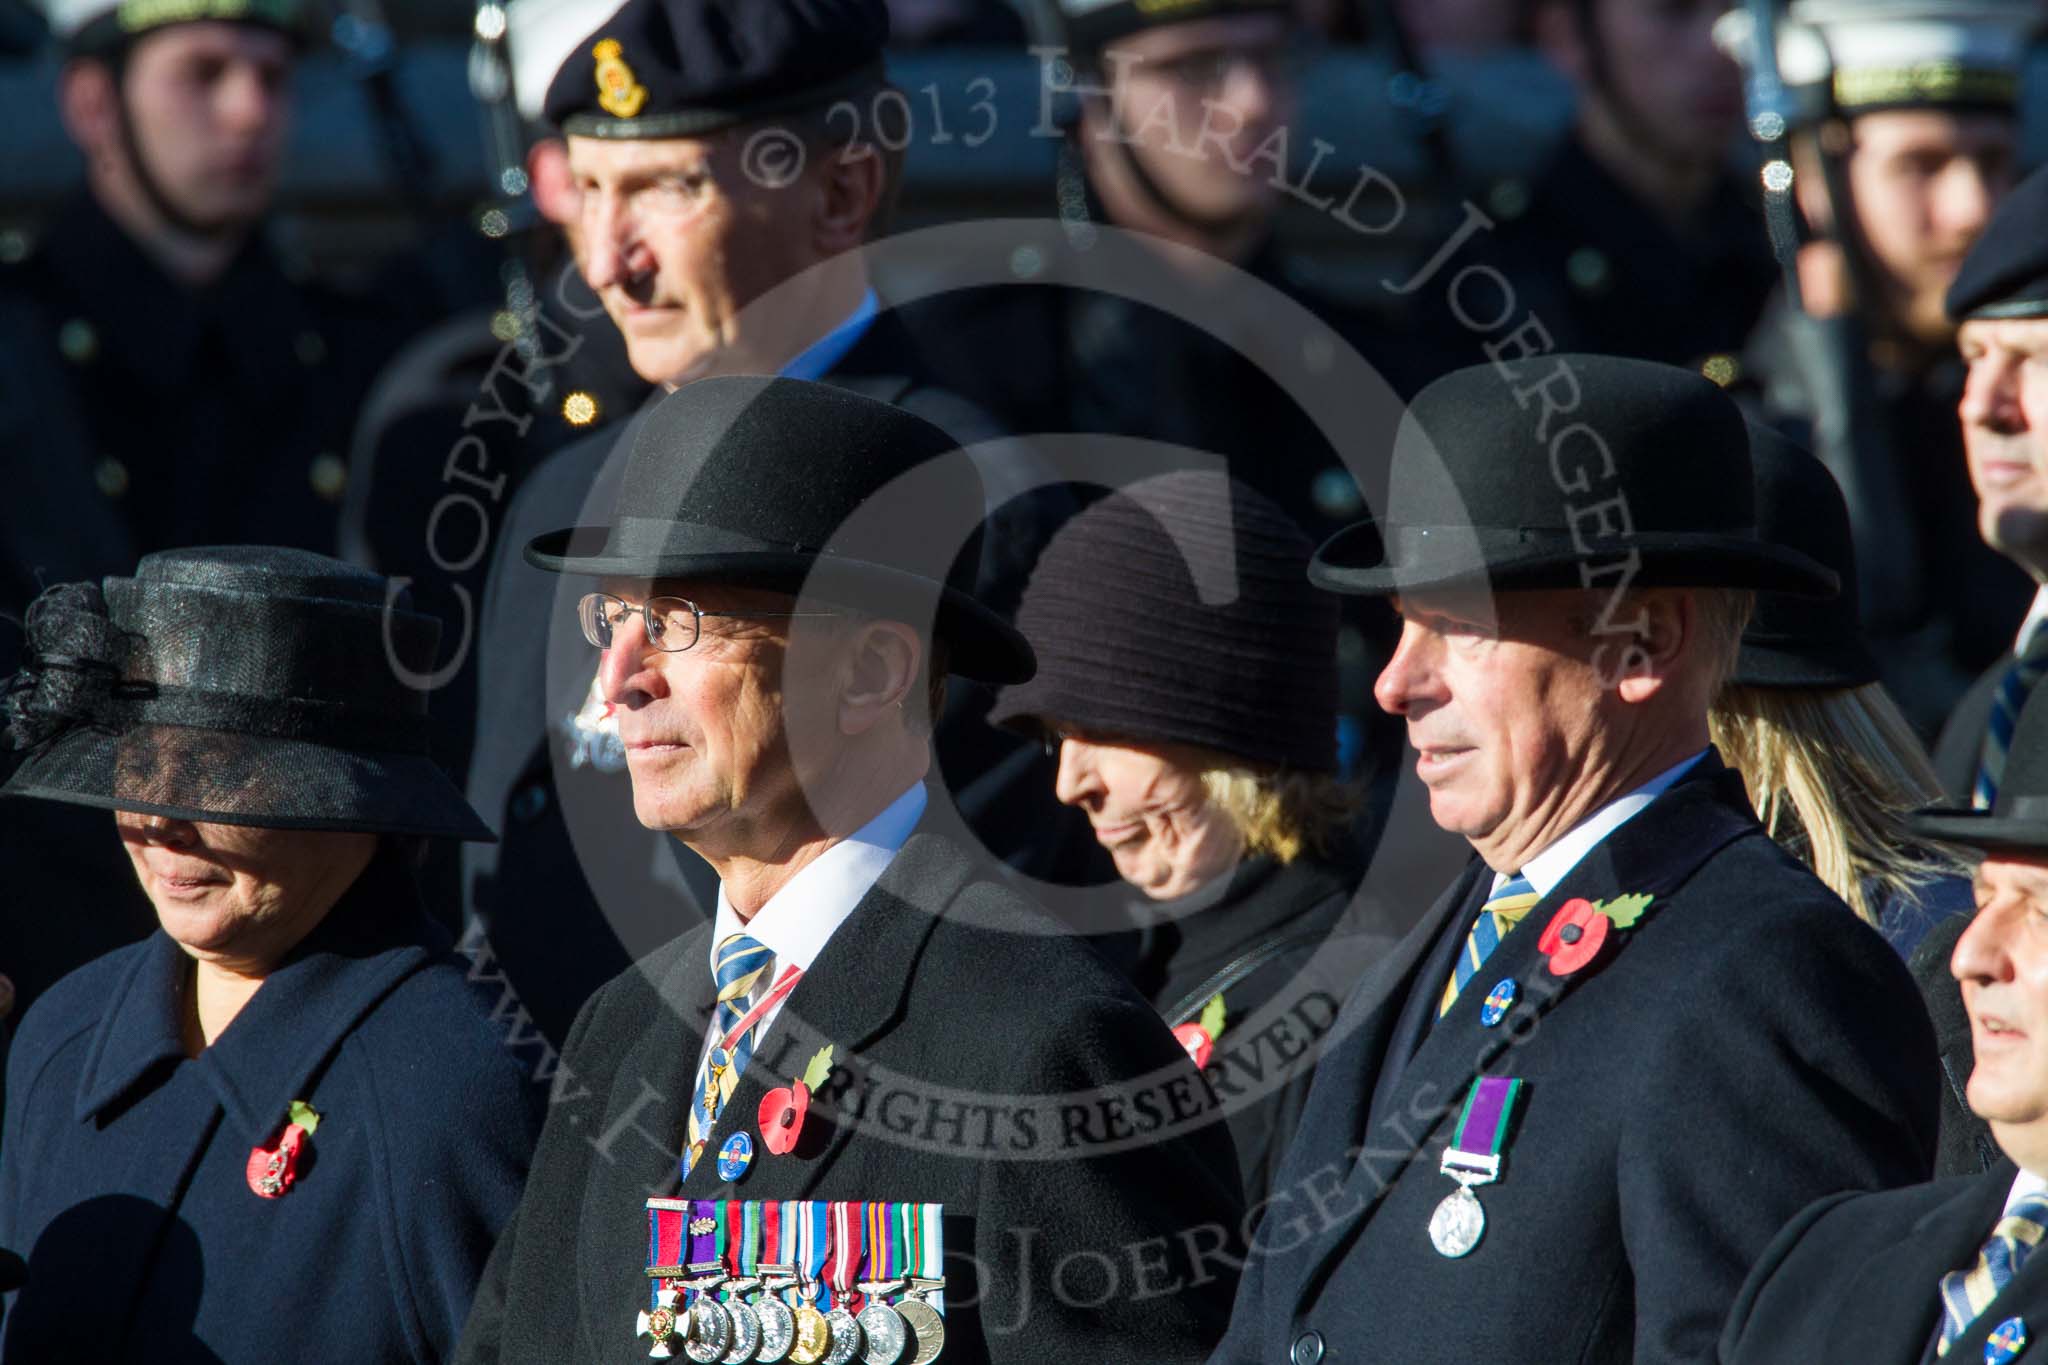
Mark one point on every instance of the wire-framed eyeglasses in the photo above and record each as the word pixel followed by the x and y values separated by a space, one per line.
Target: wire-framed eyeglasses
pixel 673 623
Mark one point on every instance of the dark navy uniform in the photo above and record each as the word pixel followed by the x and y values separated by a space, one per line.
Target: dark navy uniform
pixel 1606 272
pixel 125 1178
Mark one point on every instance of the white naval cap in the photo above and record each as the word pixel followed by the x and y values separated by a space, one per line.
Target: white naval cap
pixel 540 35
pixel 1873 54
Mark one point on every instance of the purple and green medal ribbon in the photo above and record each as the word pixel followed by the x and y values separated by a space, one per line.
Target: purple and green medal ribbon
pixel 1483 1123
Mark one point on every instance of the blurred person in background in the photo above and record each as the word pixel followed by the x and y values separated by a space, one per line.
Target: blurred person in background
pixel 1638 236
pixel 470 407
pixel 173 380
pixel 1187 683
pixel 1905 147
pixel 291 1083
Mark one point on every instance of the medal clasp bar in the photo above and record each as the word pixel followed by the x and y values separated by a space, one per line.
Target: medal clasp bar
pixel 1471 1168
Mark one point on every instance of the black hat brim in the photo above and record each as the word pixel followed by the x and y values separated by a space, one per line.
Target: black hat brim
pixel 1804 663
pixel 979 643
pixel 1984 829
pixel 1353 561
pixel 332 789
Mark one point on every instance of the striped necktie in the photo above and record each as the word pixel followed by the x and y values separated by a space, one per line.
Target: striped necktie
pixel 2013 689
pixel 1967 1293
pixel 738 967
pixel 1497 918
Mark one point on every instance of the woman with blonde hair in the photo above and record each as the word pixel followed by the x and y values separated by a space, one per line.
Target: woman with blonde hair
pixel 1831 765
pixel 1187 689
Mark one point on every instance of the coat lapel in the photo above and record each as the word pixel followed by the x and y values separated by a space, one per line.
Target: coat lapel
pixel 2026 1298
pixel 1653 853
pixel 853 994
pixel 1890 1309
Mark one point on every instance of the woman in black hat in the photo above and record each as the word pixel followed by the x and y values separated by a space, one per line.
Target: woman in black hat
pixel 1187 687
pixel 1831 765
pixel 282 1126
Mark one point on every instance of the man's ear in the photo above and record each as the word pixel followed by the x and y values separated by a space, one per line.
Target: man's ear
pixel 88 98
pixel 554 189
pixel 1657 631
pixel 881 671
pixel 855 177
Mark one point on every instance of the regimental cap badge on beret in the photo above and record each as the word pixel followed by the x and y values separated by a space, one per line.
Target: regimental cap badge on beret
pixel 619 92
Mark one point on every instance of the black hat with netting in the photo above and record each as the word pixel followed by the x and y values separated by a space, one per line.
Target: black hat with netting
pixel 243 685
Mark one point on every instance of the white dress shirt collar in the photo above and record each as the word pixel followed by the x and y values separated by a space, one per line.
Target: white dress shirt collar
pixel 2024 1184
pixel 1549 867
pixel 2037 616
pixel 797 920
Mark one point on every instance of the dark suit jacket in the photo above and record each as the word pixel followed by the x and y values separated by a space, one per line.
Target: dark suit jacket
pixel 576 890
pixel 1961 745
pixel 1857 1277
pixel 1747 1048
pixel 980 1062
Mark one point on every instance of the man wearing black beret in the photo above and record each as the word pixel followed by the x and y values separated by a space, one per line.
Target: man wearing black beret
pixel 708 174
pixel 2000 298
pixel 1564 1116
pixel 1949 1270
pixel 775 598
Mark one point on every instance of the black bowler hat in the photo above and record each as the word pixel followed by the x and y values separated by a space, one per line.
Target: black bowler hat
pixel 242 685
pixel 2018 818
pixel 2006 273
pixel 803 488
pixel 1091 25
pixel 684 68
pixel 1796 641
pixel 1644 480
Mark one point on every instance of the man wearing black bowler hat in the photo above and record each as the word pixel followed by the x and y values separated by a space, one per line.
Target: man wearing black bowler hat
pixel 1562 1118
pixel 1945 1270
pixel 721 214
pixel 774 599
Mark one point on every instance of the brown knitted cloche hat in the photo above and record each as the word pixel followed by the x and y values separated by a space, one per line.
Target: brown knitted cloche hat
pixel 1179 610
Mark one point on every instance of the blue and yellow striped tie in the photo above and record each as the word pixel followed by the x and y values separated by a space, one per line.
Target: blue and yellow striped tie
pixel 2012 693
pixel 1497 918
pixel 1967 1293
pixel 738 967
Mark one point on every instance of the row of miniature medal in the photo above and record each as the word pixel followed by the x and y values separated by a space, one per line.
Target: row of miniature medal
pixel 810 1281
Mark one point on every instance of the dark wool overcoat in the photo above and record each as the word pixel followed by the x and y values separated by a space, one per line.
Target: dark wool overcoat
pixel 1747 1048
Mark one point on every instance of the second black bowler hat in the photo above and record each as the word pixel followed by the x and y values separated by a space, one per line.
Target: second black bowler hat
pixel 2018 818
pixel 2006 273
pixel 1639 476
pixel 804 488
pixel 1797 641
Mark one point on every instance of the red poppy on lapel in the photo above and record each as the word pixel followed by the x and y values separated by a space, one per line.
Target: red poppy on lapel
pixel 1574 936
pixel 273 1170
